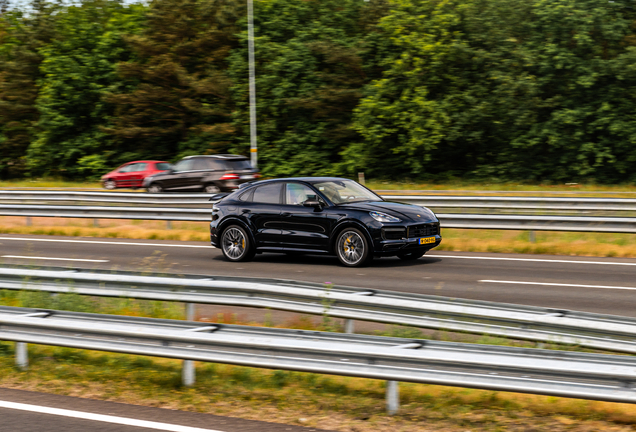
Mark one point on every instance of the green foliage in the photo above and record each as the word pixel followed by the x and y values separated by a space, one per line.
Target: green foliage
pixel 313 59
pixel 22 36
pixel 78 68
pixel 180 101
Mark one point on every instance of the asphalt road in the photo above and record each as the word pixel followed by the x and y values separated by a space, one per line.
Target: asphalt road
pixel 70 414
pixel 603 285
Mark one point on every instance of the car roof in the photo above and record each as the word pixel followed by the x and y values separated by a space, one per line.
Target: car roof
pixel 146 161
pixel 218 156
pixel 300 179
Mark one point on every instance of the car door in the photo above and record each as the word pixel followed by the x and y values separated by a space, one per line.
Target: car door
pixel 124 175
pixel 262 207
pixel 200 169
pixel 178 178
pixel 302 227
pixel 137 174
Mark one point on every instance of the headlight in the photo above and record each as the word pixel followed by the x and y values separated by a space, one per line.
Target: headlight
pixel 383 217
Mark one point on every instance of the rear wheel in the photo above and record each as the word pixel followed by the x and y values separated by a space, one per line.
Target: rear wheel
pixel 409 256
pixel 353 248
pixel 110 184
pixel 154 188
pixel 236 245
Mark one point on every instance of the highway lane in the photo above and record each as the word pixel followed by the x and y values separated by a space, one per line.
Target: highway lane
pixel 24 411
pixel 492 277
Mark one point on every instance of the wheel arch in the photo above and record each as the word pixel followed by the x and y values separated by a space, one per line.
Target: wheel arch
pixel 237 220
pixel 349 223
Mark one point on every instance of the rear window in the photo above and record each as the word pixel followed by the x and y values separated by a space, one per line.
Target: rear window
pixel 237 164
pixel 163 166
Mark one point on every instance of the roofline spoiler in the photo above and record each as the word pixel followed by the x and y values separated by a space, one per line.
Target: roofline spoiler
pixel 219 196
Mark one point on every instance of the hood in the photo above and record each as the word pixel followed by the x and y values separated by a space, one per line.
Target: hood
pixel 406 212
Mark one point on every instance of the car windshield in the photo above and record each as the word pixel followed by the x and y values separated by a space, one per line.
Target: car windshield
pixel 345 191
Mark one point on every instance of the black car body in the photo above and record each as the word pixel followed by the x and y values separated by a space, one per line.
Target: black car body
pixel 320 215
pixel 212 174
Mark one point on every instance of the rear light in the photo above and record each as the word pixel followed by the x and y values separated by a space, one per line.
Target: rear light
pixel 230 177
pixel 256 175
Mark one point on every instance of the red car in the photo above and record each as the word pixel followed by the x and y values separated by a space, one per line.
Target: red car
pixel 132 174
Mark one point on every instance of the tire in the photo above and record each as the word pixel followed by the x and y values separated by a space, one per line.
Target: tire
pixel 236 244
pixel 211 189
pixel 110 184
pixel 154 188
pixel 411 256
pixel 353 248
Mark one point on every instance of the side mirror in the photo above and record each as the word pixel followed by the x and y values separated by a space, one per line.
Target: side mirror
pixel 313 203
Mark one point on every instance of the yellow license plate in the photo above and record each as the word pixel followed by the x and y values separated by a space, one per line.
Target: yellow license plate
pixel 427 240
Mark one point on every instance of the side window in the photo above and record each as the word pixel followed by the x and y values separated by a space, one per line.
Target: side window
pixel 127 168
pixel 184 165
pixel 216 164
pixel 268 194
pixel 247 196
pixel 139 167
pixel 200 164
pixel 297 194
pixel 163 166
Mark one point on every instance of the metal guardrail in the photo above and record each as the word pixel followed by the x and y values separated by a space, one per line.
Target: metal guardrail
pixel 607 332
pixel 432 201
pixel 555 373
pixel 468 221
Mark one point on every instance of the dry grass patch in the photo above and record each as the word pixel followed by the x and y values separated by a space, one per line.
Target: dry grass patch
pixel 328 402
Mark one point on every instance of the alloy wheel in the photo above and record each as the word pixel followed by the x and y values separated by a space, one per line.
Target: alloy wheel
pixel 154 188
pixel 234 243
pixel 351 247
pixel 110 184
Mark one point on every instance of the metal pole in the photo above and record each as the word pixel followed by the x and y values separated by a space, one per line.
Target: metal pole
pixel 21 355
pixel 252 78
pixel 188 373
pixel 28 221
pixel 96 223
pixel 532 237
pixel 168 224
pixel 349 326
pixel 392 397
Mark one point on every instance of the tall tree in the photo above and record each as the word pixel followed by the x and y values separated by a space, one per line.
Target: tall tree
pixel 79 67
pixel 180 103
pixel 20 60
pixel 313 58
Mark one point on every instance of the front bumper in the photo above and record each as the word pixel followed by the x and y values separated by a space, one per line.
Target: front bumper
pixel 394 247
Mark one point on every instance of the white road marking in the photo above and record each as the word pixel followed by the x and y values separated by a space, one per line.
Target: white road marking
pixel 559 284
pixel 107 242
pixel 51 258
pixel 102 418
pixel 536 260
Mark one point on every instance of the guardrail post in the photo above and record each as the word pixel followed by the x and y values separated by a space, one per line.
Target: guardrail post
pixel 392 397
pixel 96 223
pixel 168 224
pixel 188 373
pixel 349 326
pixel 28 221
pixel 21 355
pixel 531 237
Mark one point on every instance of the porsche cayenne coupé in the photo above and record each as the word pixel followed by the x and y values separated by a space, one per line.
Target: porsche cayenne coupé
pixel 319 215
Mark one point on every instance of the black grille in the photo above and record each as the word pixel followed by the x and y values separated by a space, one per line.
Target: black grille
pixel 393 233
pixel 423 230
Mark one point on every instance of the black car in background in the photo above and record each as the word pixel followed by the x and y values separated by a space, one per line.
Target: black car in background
pixel 211 174
pixel 320 215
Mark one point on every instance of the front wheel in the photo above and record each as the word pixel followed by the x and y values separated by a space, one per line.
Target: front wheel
pixel 236 245
pixel 110 184
pixel 154 188
pixel 409 256
pixel 353 248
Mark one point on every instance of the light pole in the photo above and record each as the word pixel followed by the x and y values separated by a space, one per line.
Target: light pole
pixel 250 49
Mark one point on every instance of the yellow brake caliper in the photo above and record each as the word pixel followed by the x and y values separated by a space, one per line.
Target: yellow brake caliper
pixel 347 244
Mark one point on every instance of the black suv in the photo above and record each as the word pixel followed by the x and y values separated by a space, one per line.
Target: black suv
pixel 211 174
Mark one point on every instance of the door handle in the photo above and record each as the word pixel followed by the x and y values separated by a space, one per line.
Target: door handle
pixel 285 214
pixel 245 211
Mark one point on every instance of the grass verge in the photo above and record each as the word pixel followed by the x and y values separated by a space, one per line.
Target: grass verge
pixel 500 241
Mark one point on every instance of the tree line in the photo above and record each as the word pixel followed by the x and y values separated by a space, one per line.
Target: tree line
pixel 541 90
